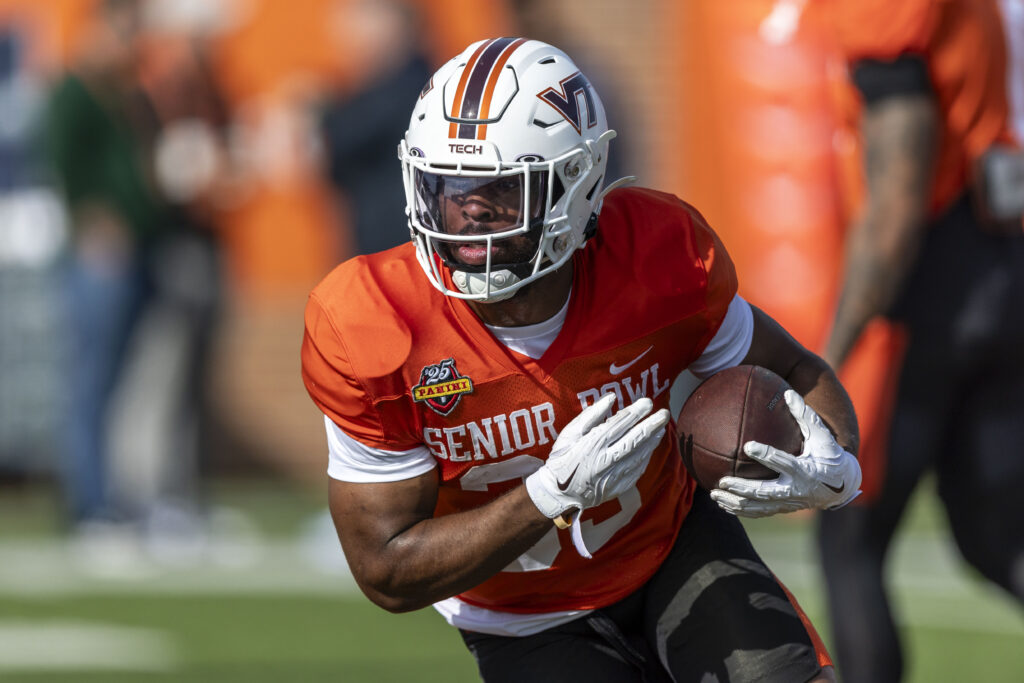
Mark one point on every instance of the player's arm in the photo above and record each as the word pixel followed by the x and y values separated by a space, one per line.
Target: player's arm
pixel 405 558
pixel 810 376
pixel 383 501
pixel 825 474
pixel 900 137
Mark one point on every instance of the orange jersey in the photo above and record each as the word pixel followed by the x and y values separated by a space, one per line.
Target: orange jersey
pixel 963 44
pixel 397 365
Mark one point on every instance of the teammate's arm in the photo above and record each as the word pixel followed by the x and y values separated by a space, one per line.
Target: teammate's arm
pixel 900 136
pixel 403 558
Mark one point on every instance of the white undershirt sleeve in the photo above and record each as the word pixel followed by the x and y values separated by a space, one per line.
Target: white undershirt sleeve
pixel 730 344
pixel 349 460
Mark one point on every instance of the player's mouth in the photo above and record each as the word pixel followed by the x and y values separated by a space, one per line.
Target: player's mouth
pixel 475 253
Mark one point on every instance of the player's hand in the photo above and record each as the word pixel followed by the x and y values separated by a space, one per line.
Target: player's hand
pixel 597 457
pixel 823 476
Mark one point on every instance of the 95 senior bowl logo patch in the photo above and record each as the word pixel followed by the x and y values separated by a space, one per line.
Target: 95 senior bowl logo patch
pixel 441 386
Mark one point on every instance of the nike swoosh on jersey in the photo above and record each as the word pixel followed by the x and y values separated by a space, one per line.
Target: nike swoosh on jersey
pixel 837 489
pixel 618 369
pixel 563 485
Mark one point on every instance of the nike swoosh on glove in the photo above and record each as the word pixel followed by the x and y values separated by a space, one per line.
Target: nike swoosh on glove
pixel 596 458
pixel 823 476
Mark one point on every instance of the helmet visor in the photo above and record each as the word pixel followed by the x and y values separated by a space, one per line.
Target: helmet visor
pixel 477 205
pixel 478 223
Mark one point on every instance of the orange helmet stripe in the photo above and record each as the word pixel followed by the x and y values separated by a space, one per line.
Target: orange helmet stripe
pixel 453 128
pixel 492 82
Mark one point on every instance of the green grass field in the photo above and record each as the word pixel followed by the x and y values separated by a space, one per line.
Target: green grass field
pixel 274 603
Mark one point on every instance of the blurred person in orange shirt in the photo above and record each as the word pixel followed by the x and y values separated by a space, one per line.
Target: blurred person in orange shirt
pixel 937 252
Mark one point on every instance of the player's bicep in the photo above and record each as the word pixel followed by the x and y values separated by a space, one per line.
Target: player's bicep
pixel 374 496
pixel 773 347
pixel 369 516
pixel 808 374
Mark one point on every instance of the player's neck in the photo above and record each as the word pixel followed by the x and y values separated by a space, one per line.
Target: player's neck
pixel 534 303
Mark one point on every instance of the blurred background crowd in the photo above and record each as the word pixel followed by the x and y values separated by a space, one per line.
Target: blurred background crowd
pixel 176 175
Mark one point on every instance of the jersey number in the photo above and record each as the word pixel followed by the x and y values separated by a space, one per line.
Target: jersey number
pixel 543 553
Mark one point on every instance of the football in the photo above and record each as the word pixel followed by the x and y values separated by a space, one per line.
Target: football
pixel 736 405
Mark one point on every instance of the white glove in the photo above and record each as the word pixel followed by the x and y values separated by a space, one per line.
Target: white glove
pixel 596 458
pixel 823 476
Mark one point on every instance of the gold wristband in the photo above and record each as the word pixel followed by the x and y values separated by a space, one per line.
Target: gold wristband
pixel 561 522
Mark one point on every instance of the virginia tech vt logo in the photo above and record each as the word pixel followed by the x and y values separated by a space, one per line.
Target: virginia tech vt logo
pixel 441 386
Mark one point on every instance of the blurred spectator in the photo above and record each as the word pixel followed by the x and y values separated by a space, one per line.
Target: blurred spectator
pixel 96 153
pixel 162 431
pixel 943 266
pixel 362 124
pixel 133 143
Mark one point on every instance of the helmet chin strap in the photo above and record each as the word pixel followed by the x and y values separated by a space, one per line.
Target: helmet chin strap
pixel 476 283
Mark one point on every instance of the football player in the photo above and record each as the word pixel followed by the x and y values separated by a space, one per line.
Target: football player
pixel 495 397
pixel 937 253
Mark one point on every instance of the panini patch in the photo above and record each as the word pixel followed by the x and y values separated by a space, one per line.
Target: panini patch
pixel 441 386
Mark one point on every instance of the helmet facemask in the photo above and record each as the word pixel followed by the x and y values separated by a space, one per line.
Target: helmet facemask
pixel 495 229
pixel 503 215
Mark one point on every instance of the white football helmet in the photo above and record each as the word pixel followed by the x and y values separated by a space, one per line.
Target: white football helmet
pixel 504 164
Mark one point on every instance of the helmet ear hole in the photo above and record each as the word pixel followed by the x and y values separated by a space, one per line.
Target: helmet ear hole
pixel 597 183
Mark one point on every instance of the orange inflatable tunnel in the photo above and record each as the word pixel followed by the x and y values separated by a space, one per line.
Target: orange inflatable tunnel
pixel 763 155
